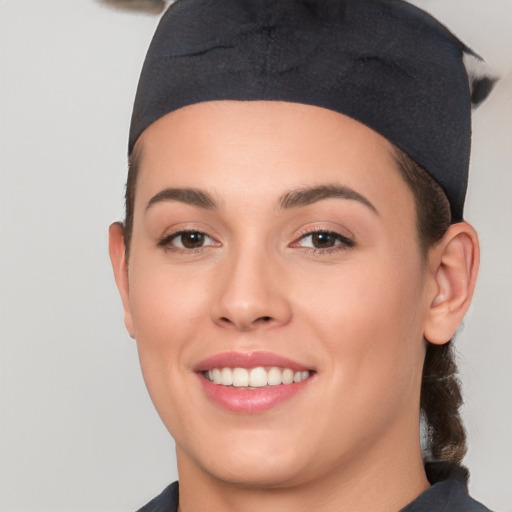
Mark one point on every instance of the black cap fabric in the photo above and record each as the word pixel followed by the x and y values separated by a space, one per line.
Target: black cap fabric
pixel 384 63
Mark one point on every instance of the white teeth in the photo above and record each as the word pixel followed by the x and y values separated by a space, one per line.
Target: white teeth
pixel 258 377
pixel 240 378
pixel 255 377
pixel 274 376
pixel 226 377
pixel 287 377
pixel 216 376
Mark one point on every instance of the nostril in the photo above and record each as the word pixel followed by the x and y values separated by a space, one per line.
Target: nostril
pixel 246 326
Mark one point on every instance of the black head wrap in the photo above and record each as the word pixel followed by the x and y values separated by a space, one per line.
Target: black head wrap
pixel 384 63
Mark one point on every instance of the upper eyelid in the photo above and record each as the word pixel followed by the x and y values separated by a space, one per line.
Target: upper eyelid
pixel 345 242
pixel 347 238
pixel 166 239
pixel 344 233
pixel 171 232
pixel 328 232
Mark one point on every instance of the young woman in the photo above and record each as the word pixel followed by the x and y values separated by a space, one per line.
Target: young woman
pixel 294 260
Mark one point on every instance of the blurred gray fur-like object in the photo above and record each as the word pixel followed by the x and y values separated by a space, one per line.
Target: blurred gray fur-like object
pixel 141 6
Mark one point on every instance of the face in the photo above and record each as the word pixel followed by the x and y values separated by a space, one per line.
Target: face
pixel 275 242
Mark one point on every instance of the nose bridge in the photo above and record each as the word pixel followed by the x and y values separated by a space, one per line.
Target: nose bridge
pixel 250 293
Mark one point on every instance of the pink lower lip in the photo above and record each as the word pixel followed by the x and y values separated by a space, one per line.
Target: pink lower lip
pixel 243 400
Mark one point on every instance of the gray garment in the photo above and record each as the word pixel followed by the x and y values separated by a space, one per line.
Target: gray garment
pixel 167 501
pixel 448 493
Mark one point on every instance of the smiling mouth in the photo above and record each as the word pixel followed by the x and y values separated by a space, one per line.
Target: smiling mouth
pixel 253 378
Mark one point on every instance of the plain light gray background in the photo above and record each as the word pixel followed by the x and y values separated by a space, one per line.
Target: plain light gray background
pixel 78 432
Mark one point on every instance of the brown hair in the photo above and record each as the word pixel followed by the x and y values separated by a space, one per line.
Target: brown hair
pixel 129 197
pixel 440 391
pixel 441 396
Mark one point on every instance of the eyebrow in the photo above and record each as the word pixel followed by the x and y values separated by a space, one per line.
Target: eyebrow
pixel 310 195
pixel 192 196
pixel 294 199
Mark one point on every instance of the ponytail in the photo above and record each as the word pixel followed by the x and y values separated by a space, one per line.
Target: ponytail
pixel 441 399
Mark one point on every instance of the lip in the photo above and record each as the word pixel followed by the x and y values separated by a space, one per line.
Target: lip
pixel 244 400
pixel 248 360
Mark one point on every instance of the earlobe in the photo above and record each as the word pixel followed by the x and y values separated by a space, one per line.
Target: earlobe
pixel 119 265
pixel 453 267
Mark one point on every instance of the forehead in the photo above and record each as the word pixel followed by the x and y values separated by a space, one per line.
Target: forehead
pixel 260 149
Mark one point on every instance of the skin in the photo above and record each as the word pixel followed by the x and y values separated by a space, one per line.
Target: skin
pixel 357 312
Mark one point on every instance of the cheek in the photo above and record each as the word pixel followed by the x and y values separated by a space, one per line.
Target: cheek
pixel 370 319
pixel 166 305
pixel 167 309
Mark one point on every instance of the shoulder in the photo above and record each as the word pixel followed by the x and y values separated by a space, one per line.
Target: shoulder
pixel 448 496
pixel 166 501
pixel 448 492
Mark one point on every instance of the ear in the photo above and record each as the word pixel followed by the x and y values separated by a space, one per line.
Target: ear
pixel 116 249
pixel 453 267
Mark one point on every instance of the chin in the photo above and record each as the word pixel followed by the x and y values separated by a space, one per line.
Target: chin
pixel 258 473
pixel 249 460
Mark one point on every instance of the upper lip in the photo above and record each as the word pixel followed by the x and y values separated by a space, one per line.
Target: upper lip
pixel 248 360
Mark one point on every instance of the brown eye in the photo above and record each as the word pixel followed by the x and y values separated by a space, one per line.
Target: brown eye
pixel 319 240
pixel 323 240
pixel 190 240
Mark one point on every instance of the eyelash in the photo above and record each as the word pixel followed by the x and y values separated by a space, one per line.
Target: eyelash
pixel 341 242
pixel 344 242
pixel 166 242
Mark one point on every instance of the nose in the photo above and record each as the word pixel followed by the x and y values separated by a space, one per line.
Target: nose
pixel 252 292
